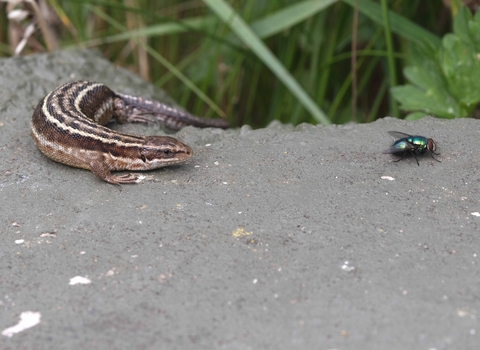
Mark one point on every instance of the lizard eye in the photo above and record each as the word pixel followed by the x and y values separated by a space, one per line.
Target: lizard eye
pixel 142 157
pixel 167 151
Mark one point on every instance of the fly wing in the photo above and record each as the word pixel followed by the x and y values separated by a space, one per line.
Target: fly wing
pixel 398 134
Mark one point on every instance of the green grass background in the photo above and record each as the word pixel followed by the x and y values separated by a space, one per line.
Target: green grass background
pixel 253 61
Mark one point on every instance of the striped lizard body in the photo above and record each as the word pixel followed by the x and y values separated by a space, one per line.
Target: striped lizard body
pixel 68 127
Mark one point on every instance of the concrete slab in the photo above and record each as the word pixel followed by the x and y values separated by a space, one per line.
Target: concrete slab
pixel 279 238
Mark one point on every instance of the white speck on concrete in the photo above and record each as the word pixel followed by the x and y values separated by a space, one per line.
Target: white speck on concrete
pixel 79 280
pixel 28 319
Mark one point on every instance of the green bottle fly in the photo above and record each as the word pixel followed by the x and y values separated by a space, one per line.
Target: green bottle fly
pixel 411 144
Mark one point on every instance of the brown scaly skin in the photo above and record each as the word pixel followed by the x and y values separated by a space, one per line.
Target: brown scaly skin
pixel 68 127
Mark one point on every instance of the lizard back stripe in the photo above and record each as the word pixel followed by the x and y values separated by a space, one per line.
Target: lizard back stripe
pixel 62 109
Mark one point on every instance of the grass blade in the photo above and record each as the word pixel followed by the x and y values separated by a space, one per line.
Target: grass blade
pixel 161 60
pixel 253 42
pixel 288 17
pixel 390 58
pixel 399 25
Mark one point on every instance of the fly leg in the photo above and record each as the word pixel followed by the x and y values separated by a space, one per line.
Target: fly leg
pixel 415 157
pixel 431 155
pixel 399 159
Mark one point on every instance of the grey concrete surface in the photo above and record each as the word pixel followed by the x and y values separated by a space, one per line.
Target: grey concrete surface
pixel 279 238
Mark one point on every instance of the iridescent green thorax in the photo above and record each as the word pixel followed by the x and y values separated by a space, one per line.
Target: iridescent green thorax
pixel 421 144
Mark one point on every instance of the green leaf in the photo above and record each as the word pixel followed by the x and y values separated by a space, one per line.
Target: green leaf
pixel 416 99
pixel 445 83
pixel 460 61
pixel 461 25
pixel 415 116
pixel 475 31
